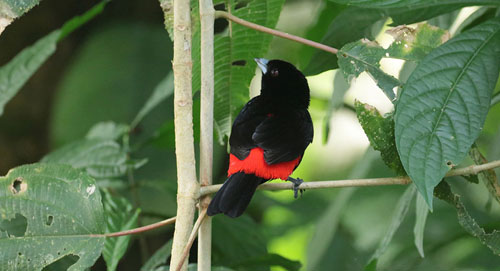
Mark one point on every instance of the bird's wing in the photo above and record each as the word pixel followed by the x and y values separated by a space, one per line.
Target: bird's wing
pixel 244 126
pixel 284 137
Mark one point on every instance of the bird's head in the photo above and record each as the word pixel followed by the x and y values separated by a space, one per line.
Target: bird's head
pixel 282 82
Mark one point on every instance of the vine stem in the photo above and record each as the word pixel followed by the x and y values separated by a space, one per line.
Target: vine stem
pixel 228 16
pixel 470 170
pixel 138 230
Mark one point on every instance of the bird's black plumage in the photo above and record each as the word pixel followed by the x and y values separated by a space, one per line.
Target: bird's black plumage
pixel 276 123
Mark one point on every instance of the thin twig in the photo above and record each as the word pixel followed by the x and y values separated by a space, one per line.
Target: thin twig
pixel 138 230
pixel 470 170
pixel 226 15
pixel 192 236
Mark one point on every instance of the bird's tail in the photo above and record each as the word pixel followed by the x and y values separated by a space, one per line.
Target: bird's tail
pixel 235 194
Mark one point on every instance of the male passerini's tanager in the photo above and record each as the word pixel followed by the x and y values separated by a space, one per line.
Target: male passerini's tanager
pixel 268 137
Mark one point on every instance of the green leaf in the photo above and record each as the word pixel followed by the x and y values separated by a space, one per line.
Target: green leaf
pixel 234 65
pixel 350 25
pixel 168 12
pixel 414 4
pixel 62 209
pixel 364 55
pixel 268 260
pixel 120 216
pixel 14 74
pixel 100 158
pixel 415 44
pixel 444 104
pixel 491 239
pixel 399 214
pixel 107 130
pixel 380 133
pixel 12 9
pixel 162 91
pixel 421 213
pixel 488 177
pixel 159 257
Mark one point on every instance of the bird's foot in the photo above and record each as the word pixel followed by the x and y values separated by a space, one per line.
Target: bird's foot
pixel 296 183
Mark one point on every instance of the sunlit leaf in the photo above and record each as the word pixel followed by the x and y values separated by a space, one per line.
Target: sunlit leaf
pixel 413 3
pixel 120 216
pixel 415 44
pixel 364 55
pixel 61 207
pixel 444 104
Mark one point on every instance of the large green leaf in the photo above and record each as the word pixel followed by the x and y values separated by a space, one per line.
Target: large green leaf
pixel 413 3
pixel 364 55
pixel 120 216
pixel 234 53
pixel 60 208
pixel 444 103
pixel 14 74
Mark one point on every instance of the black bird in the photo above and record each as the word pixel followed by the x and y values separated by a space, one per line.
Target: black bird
pixel 268 137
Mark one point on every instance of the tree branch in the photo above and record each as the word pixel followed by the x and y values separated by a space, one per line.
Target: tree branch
pixel 187 184
pixel 138 230
pixel 192 236
pixel 470 170
pixel 226 15
pixel 206 129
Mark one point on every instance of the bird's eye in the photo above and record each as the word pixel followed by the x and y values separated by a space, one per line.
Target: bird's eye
pixel 274 72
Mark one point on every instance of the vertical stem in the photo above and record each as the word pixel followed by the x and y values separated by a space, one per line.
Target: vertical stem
pixel 206 128
pixel 187 185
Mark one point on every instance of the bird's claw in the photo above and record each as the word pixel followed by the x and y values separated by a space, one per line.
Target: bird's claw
pixel 296 183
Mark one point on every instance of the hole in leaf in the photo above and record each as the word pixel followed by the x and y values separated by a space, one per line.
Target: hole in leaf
pixel 18 186
pixel 15 226
pixel 450 164
pixel 239 63
pixel 220 25
pixel 241 4
pixel 62 264
pixel 49 221
pixel 19 254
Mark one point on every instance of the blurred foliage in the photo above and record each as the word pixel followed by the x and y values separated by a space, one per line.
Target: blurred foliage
pixel 103 103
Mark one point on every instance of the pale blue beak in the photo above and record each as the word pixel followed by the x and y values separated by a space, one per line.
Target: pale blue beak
pixel 262 63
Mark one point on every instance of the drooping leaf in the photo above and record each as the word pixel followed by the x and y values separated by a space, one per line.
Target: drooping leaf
pixel 444 104
pixel 399 214
pixel 350 25
pixel 14 74
pixel 159 257
pixel 120 216
pixel 234 67
pixel 488 177
pixel 413 3
pixel 420 217
pixel 380 132
pixel 62 210
pixel 490 239
pixel 364 55
pixel 107 130
pixel 162 91
pixel 100 158
pixel 415 44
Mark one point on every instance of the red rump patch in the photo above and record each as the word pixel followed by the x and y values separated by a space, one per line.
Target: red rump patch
pixel 255 164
